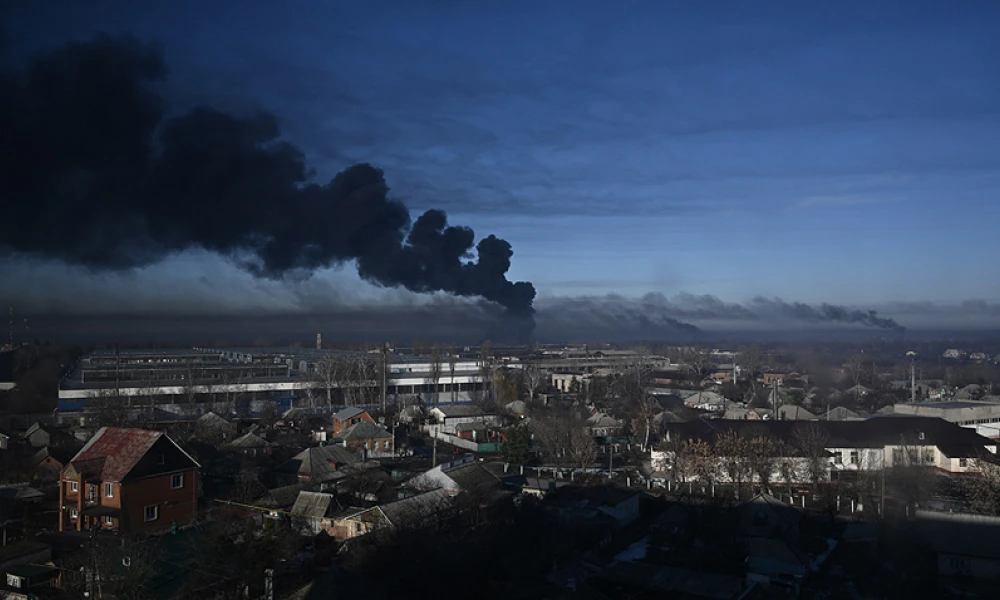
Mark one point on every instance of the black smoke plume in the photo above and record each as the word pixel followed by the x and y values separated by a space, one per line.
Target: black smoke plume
pixel 828 313
pixel 96 173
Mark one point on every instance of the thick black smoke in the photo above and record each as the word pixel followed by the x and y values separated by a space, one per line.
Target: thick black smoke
pixel 657 312
pixel 828 313
pixel 95 174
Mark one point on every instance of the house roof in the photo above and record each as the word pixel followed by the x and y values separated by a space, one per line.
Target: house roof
pixel 795 413
pixel 840 412
pixel 210 419
pixel 19 492
pixel 347 413
pixel 281 497
pixel 114 451
pixel 601 419
pixel 364 431
pixel 319 463
pixel 588 497
pixel 412 510
pixel 248 440
pixel 454 411
pixel 312 504
pixel 36 426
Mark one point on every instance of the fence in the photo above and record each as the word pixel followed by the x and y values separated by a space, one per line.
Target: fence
pixel 484 448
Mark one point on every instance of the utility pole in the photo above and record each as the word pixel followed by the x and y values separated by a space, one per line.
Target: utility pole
pixel 434 456
pixel 385 366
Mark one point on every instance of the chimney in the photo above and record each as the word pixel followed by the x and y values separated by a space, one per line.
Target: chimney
pixel 319 341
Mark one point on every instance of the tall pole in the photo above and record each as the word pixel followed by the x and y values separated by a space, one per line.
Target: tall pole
pixel 385 366
pixel 913 380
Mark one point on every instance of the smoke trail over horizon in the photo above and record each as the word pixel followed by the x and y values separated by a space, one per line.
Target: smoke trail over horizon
pixel 674 311
pixel 100 176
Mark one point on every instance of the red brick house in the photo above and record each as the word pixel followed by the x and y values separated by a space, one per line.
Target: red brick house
pixel 368 438
pixel 349 417
pixel 128 481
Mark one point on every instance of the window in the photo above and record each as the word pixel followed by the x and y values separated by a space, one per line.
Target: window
pixel 109 490
pixel 73 513
pixel 161 459
pixel 963 462
pixel 855 458
pixel 152 513
pixel 109 521
pixel 838 458
pixel 177 481
pixel 74 486
pixel 13 581
pixel 357 528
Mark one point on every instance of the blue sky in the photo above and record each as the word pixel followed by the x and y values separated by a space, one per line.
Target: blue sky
pixel 843 151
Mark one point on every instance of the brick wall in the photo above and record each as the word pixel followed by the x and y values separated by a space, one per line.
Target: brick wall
pixel 180 505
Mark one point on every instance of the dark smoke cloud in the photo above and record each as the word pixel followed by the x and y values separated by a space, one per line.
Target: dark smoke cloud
pixel 663 314
pixel 824 313
pixel 96 174
pixel 609 317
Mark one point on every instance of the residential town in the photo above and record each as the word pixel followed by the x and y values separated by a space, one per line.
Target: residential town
pixel 524 472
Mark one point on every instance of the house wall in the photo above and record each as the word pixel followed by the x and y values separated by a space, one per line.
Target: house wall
pixel 339 425
pixel 869 459
pixel 370 444
pixel 345 529
pixel 180 505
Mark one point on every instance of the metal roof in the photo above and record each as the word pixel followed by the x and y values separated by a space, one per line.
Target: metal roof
pixel 312 504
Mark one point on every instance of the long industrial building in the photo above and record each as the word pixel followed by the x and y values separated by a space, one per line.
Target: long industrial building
pixel 200 379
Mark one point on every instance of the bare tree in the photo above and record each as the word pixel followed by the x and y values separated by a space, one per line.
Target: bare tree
pixel 733 449
pixel 108 408
pixel 699 460
pixel 983 489
pixel 329 375
pixel 582 447
pixel 486 364
pixel 452 364
pixel 532 377
pixel 564 438
pixel 114 567
pixel 811 441
pixel 698 359
pixel 762 456
pixel 436 368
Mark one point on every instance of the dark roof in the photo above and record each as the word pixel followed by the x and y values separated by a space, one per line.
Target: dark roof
pixel 31 571
pixel 472 476
pixel 21 548
pixel 454 411
pixel 113 452
pixel 280 497
pixel 960 535
pixel 19 492
pixel 348 413
pixel 414 509
pixel 248 440
pixel 364 431
pixel 312 504
pixel 957 451
pixel 592 497
pixel 319 463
